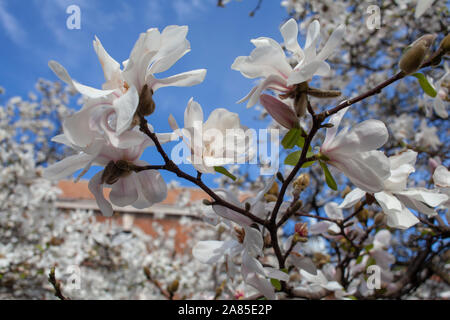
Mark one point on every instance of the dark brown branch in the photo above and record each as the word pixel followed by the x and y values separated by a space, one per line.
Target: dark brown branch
pixel 56 285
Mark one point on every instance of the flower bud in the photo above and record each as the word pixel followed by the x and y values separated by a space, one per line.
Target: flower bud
pixel 379 218
pixel 274 189
pixel 301 228
pixel 240 234
pixel 416 53
pixel 173 287
pixel 346 191
pixel 301 183
pixel 445 44
pixel 280 112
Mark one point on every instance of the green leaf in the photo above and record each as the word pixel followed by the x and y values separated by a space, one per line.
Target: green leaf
pixel 225 172
pixel 293 158
pixel 328 177
pixel 276 284
pixel 292 138
pixel 426 86
pixel 359 259
pixel 371 262
pixel 352 297
pixel 369 247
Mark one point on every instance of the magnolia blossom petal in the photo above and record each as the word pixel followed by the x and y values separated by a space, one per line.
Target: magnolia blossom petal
pixel 185 79
pixel 335 120
pixel 209 251
pixel 125 107
pixel 124 192
pixel 66 166
pixel 402 165
pixel 422 6
pixel 306 72
pixel 253 241
pixel 440 108
pixel 332 43
pixel 402 219
pixel 388 202
pixel 289 31
pixel 193 115
pixel 96 187
pixel 109 65
pixel 152 187
pixel 441 177
pixel 352 198
pixel 90 92
pixel 333 211
pixel 422 200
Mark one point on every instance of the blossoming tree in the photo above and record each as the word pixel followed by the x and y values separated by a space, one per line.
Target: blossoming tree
pixel 368 201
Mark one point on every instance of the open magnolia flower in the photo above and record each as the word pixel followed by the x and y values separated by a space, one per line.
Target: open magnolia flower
pixel 269 62
pixel 130 90
pixel 441 178
pixel 219 141
pixel 141 189
pixel 440 102
pixel 396 197
pixel 352 151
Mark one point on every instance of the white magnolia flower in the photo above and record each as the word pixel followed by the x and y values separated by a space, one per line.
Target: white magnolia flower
pixel 438 103
pixel 441 178
pixel 332 211
pixel 251 246
pixel 154 52
pixel 218 141
pixel 396 197
pixel 140 190
pixel 427 137
pixel 421 6
pixel 352 151
pixel 269 62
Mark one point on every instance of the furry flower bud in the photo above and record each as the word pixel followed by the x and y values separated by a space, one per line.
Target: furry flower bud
pixel 416 53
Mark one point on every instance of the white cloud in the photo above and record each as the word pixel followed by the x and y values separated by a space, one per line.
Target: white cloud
pixel 12 27
pixel 187 9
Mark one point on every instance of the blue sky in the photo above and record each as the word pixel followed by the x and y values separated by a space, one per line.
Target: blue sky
pixel 33 32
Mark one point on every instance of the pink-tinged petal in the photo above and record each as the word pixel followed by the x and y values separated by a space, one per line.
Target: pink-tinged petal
pixel 193 115
pixel 96 187
pixel 263 85
pixel 281 112
pixel 185 79
pixel 125 107
pixel 90 92
pixel 124 192
pixel 335 120
pixel 333 211
pixel 332 43
pixel 262 285
pixel 152 186
pixel 403 219
pixel 289 31
pixel 66 167
pixel 352 198
pixel 109 65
